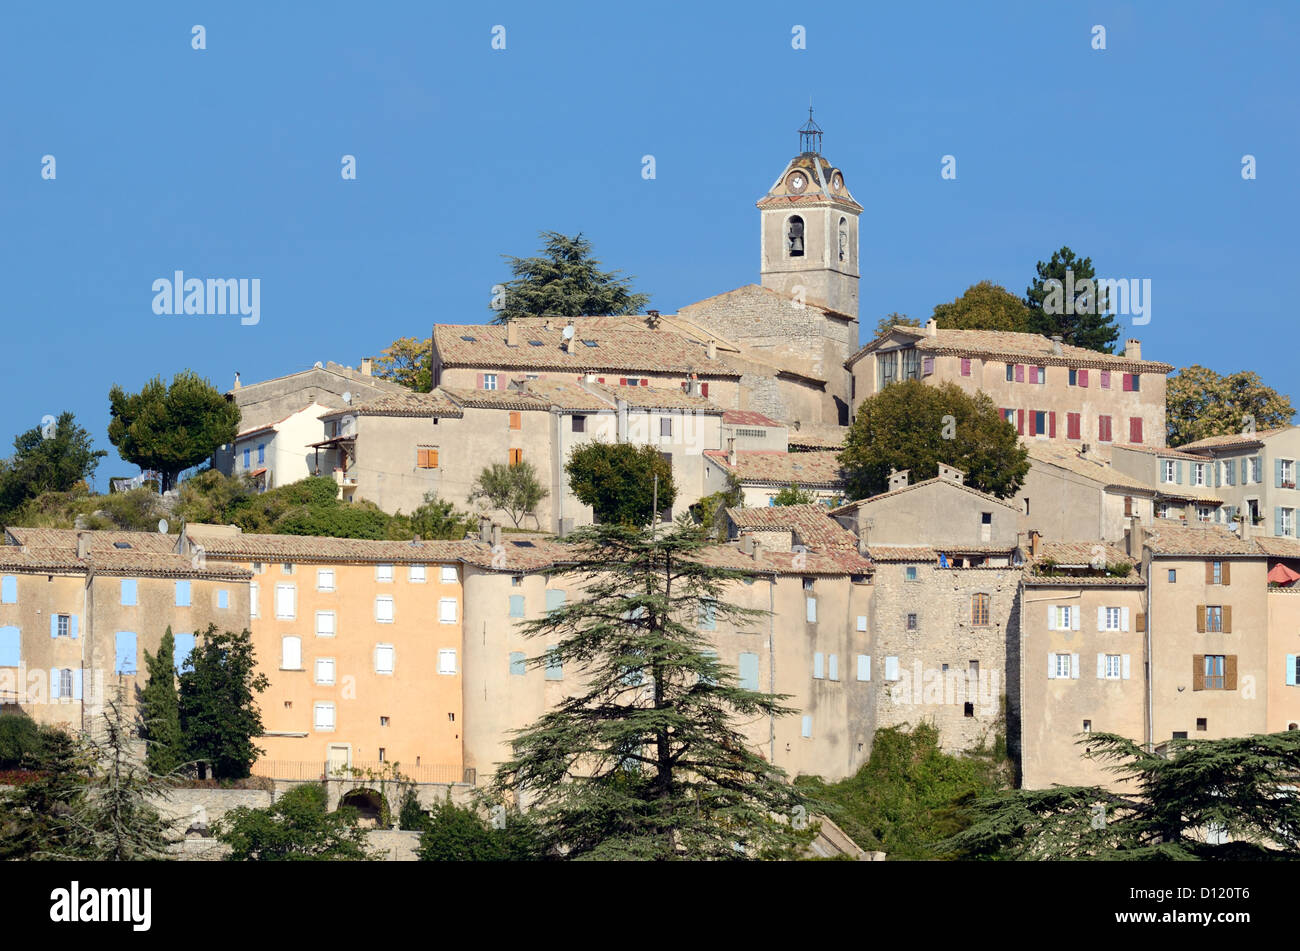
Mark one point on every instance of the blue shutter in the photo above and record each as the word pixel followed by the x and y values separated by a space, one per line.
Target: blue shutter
pixel 1178 472
pixel 1277 520
pixel 125 652
pixel 748 671
pixel 8 590
pixel 54 625
pixel 72 625
pixel 818 664
pixel 554 599
pixel 516 605
pixel 811 604
pixel 554 669
pixel 11 647
pixel 76 683
pixel 708 615
pixel 182 594
pixel 518 666
pixel 1290 670
pixel 247 455
pixel 223 598
pixel 128 591
pixel 1277 473
pixel 1245 471
pixel 807 728
pixel 182 647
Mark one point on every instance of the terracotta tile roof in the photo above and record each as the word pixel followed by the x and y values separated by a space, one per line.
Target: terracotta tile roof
pixel 1199 539
pixel 751 291
pixel 1014 347
pixel 837 561
pixel 138 563
pixel 766 467
pixel 815 528
pixel 309 549
pixel 1234 440
pixel 1070 460
pixel 39 559
pixel 1080 554
pixel 1163 453
pixel 902 553
pixel 1278 547
pixel 66 539
pixel 517 555
pixel 747 417
pixel 516 399
pixel 850 507
pixel 805 441
pixel 1190 493
pixel 568 396
pixel 150 555
pixel 659 397
pixel 405 403
pixel 620 346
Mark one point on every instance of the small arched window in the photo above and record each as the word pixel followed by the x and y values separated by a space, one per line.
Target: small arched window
pixel 844 239
pixel 979 609
pixel 794 236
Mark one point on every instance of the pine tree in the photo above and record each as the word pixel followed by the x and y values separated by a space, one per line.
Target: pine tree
pixel 218 710
pixel 566 281
pixel 159 710
pixel 1080 322
pixel 645 760
pixel 37 818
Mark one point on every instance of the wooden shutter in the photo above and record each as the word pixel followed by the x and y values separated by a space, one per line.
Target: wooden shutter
pixel 1020 421
pixel 1074 666
pixel 1083 377
pixel 478 384
pixel 1051 424
pixel 1141 622
pixel 1200 619
pixel 516 421
pixel 1230 672
pixel 1198 671
pixel 1226 574
pixel 1209 572
pixel 1101 666
pixel 1227 619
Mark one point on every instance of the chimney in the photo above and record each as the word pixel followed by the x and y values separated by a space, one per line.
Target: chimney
pixel 1135 537
pixel 693 386
pixel 485 529
pixel 566 342
pixel 83 544
pixel 546 323
pixel 496 534
pixel 1034 536
pixel 1056 344
pixel 712 351
pixel 652 319
pixel 897 479
pixel 949 474
pixel 1133 349
pixel 931 328
pixel 237 383
pixel 731 451
pixel 366 367
pixel 512 333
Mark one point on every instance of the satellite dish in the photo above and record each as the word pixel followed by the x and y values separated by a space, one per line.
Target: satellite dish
pixel 162 526
pixel 347 397
pixel 317 365
pixel 568 332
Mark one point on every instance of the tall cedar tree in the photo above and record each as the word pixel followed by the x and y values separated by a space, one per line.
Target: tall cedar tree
pixel 1094 331
pixel 48 460
pixel 618 481
pixel 171 428
pixel 158 704
pixel 1200 403
pixel 904 427
pixel 566 281
pixel 218 708
pixel 38 818
pixel 644 760
pixel 1242 788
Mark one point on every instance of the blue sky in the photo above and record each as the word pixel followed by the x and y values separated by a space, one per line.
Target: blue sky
pixel 225 163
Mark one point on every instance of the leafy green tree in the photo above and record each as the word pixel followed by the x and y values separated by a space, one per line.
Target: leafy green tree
pixel 889 321
pixel 455 833
pixel 1242 788
pixel 158 705
pixel 513 488
pixel 48 459
pixel 618 481
pixel 912 425
pixel 793 495
pixel 566 281
pixel 218 709
pixel 984 306
pixel 645 760
pixel 438 519
pixel 21 741
pixel 171 428
pixel 295 828
pixel 408 362
pixel 1081 321
pixel 711 511
pixel 1200 403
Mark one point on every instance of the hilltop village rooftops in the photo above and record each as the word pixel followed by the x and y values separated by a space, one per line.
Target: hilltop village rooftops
pixel 219 542
pixel 1232 441
pixel 1081 563
pixel 408 403
pixel 810 523
pixel 767 467
pixel 849 507
pixel 1011 347
pixel 1098 472
pixel 125 554
pixel 1199 540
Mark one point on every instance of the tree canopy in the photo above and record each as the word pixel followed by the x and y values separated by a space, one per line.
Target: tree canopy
pixel 54 458
pixel 1200 403
pixel 645 758
pixel 218 710
pixel 407 361
pixel 171 428
pixel 618 481
pixel 912 425
pixel 1079 320
pixel 513 488
pixel 895 319
pixel 565 281
pixel 158 709
pixel 297 827
pixel 984 306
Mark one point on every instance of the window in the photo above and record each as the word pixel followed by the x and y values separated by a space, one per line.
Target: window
pixel 516 605
pixel 862 622
pixel 1200 473
pixel 291 653
pixel 426 457
pixel 325 624
pixel 1011 372
pixel 912 622
pixel 748 671
pixel 1286 473
pixel 1110 618
pixel 516 456
pixel 1173 575
pixel 516 581
pixel 1214 618
pixel 1286 521
pixel 1215 665
pixel 518 664
pixel 1103 429
pixel 1256 469
pixel 516 419
pixel 182 594
pixel 979 609
pixel 1074 377
pixel 579 424
pixel 1135 429
pixel 287 568
pixel 665 426
pixel 415 574
pixel 1087 726
pixel 384 609
pixel 1040 423
pixel 384 574
pixel 489 381
pixel 286 601
pixel 383 658
pixel 223 599
pixel 819 672
pixel 1060 666
pixel 383 721
pixel 887 364
pixel 1202 725
pixel 708 611
pixel 66 684
pixel 259 568
pixel 61 625
pixel 447 613
pixel 1039 374
pixel 965 366
pixel 910 572
pixel 864 667
pixel 448 574
pixel 1009 415
pixel 252 599
pixel 911 364
pixel 323 716
pixel 325 670
pixel 891 668
pixel 1170 470
pixel 124 652
pixel 1110 666
pixel 128 593
pixel 447 661
pixel 1062 617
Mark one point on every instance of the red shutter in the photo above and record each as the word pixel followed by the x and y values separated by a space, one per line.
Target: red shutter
pixel 1082 377
pixel 600 379
pixel 965 366
pixel 1051 424
pixel 1128 383
pixel 1105 379
pixel 645 382
pixel 1020 373
pixel 1072 425
pixel 480 381
pixel 704 389
pixel 1135 429
pixel 1020 421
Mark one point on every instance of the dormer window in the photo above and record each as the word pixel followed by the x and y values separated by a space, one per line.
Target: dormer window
pixel 794 237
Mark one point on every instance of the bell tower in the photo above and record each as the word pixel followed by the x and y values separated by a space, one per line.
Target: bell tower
pixel 809 226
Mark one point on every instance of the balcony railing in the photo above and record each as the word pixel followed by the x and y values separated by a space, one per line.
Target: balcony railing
pixel 317 770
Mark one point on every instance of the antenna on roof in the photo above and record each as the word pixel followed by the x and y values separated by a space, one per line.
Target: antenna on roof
pixel 568 332
pixel 162 526
pixel 347 397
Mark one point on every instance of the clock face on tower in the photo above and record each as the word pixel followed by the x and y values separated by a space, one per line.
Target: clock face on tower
pixel 798 182
pixel 837 182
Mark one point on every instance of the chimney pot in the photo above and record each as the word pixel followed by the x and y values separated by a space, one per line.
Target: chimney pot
pixel 931 328
pixel 485 529
pixel 496 534
pixel 898 479
pixel 237 383
pixel 366 367
pixel 1133 349
pixel 512 333
pixel 731 451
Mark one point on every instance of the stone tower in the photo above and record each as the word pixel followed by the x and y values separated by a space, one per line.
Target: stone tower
pixel 810 230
